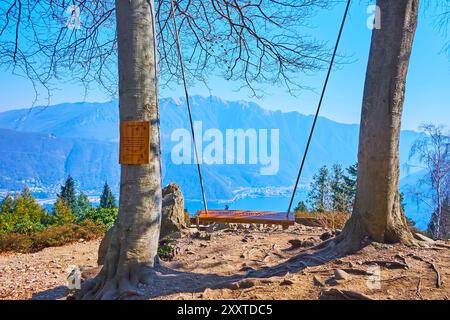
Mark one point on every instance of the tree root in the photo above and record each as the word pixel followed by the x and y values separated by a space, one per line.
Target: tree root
pixel 336 294
pixel 433 266
pixel 103 287
pixel 388 264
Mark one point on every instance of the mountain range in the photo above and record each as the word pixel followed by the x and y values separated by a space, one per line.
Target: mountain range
pixel 42 145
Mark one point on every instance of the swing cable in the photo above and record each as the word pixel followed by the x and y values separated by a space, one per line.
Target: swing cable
pixel 186 93
pixel 318 107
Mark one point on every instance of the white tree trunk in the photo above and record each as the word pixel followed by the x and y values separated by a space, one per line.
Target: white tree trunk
pixel 134 242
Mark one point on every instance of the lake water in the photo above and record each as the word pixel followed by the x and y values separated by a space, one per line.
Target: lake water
pixel 276 203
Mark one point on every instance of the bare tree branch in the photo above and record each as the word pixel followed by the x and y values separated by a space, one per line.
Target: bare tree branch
pixel 255 42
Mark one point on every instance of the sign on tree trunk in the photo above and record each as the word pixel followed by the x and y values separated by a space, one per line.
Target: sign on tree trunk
pixel 134 142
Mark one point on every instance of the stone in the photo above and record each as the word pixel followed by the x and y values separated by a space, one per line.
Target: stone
pixel 326 235
pixel 202 235
pixel 173 216
pixel 295 243
pixel 341 274
pixel 318 282
pixel 308 243
pixel 286 282
pixel 172 219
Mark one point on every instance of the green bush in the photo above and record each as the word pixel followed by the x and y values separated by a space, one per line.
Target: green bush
pixel 102 216
pixel 26 227
pixel 22 214
pixel 53 236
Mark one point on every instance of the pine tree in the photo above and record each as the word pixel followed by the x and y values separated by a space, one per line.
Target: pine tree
pixel 338 190
pixel 7 205
pixel 319 194
pixel 6 213
pixel 62 214
pixel 107 200
pixel 26 207
pixel 27 215
pixel 350 186
pixel 411 223
pixel 301 207
pixel 69 196
pixel 84 205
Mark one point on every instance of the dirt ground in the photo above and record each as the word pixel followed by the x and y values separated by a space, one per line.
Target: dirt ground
pixel 247 263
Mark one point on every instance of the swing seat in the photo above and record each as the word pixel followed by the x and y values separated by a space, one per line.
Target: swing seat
pixel 246 216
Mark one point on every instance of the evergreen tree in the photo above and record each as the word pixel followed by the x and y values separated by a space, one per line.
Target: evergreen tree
pixel 68 195
pixel 301 207
pixel 411 223
pixel 26 207
pixel 62 213
pixel 7 205
pixel 107 200
pixel 319 194
pixel 25 214
pixel 350 186
pixel 338 190
pixel 6 213
pixel 84 205
pixel 402 201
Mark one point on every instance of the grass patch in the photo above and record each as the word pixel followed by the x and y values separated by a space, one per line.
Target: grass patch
pixel 53 236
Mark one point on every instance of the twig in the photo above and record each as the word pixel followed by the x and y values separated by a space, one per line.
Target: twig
pixel 419 289
pixel 248 290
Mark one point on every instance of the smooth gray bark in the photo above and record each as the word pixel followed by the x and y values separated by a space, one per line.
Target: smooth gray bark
pixel 134 242
pixel 377 214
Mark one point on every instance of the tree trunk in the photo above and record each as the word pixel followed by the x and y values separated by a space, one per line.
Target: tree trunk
pixel 134 242
pixel 377 215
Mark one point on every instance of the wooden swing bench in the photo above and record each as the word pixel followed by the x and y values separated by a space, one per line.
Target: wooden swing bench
pixel 246 216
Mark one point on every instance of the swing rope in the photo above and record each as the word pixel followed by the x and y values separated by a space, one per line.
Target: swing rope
pixel 186 93
pixel 180 56
pixel 318 107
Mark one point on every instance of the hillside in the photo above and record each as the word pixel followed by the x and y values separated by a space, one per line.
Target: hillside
pixel 246 263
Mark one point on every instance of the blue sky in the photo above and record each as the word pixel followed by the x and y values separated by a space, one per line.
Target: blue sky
pixel 427 91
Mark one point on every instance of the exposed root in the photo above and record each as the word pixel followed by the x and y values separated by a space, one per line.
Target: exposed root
pixel 438 275
pixel 103 287
pixel 433 266
pixel 336 294
pixel 388 264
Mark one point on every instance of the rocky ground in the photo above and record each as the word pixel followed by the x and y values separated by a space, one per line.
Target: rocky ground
pixel 245 263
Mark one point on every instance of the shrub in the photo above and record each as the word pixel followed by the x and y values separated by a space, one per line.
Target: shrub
pixel 187 217
pixel 102 216
pixel 331 220
pixel 51 237
pixel 22 214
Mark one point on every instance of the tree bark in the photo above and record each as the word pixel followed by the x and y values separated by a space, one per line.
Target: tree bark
pixel 377 214
pixel 134 242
